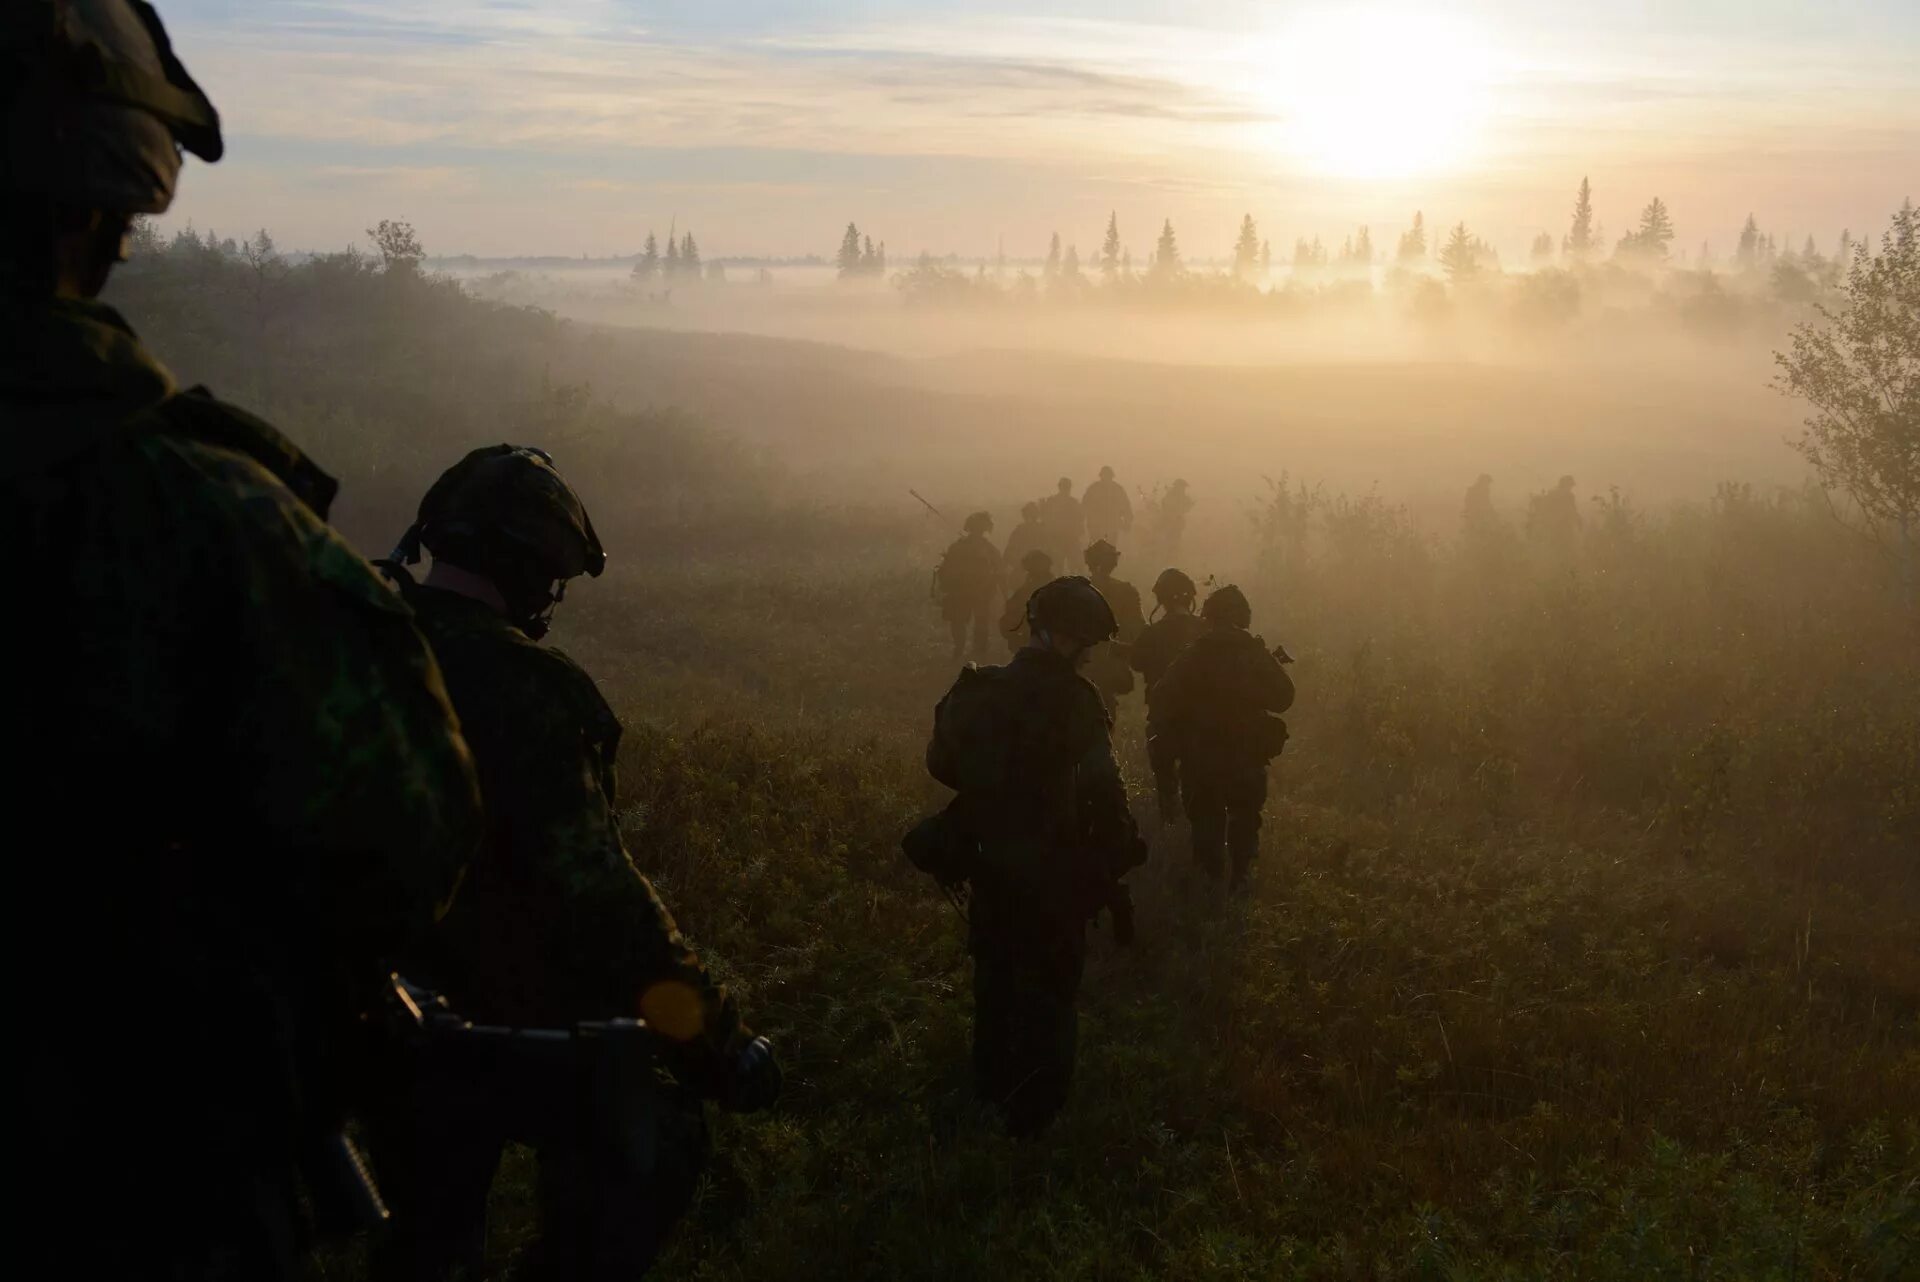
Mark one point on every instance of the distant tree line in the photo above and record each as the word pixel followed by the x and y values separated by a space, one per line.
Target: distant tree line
pixel 680 263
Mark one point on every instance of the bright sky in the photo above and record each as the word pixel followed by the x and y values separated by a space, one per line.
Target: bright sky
pixel 505 127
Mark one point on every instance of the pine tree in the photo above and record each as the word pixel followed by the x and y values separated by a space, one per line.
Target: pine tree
pixel 1266 259
pixel 670 270
pixel 869 261
pixel 1580 238
pixel 649 262
pixel 1126 263
pixel 1052 269
pixel 1110 248
pixel 1363 248
pixel 689 257
pixel 1654 234
pixel 1844 252
pixel 1166 252
pixel 848 259
pixel 1413 241
pixel 1070 267
pixel 1460 257
pixel 1246 250
pixel 1748 253
pixel 880 260
pixel 1542 248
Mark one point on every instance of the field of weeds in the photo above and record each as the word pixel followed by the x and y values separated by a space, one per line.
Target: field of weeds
pixel 1582 941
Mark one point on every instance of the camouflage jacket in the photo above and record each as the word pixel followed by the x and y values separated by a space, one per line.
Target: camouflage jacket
pixel 1160 644
pixel 554 923
pixel 238 748
pixel 1026 748
pixel 1108 668
pixel 1219 698
pixel 970 568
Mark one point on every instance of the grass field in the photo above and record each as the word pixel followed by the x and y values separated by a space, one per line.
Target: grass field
pixel 1582 943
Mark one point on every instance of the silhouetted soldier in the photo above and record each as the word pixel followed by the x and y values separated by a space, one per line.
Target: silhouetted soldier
pixel 1109 511
pixel 1175 506
pixel 554 924
pixel 1553 520
pixel 1221 701
pixel 1107 667
pixel 1160 643
pixel 968 584
pixel 1044 833
pixel 253 787
pixel 1025 537
pixel 1065 524
pixel 1037 567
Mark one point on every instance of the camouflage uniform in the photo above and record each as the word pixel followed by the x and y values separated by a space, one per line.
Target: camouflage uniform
pixel 554 925
pixel 970 590
pixel 1065 525
pixel 1013 619
pixel 1028 536
pixel 290 802
pixel 1158 646
pixel 1025 746
pixel 1109 510
pixel 1108 667
pixel 1219 702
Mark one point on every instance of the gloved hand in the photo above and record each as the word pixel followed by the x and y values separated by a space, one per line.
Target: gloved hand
pixel 752 1080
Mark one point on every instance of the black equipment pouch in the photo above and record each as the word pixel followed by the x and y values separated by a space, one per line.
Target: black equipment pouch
pixel 941 847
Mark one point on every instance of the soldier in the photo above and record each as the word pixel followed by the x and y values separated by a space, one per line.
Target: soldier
pixel 1109 511
pixel 1038 568
pixel 554 924
pixel 290 797
pixel 1553 520
pixel 1024 538
pixel 1159 645
pixel 968 583
pixel 1175 505
pixel 1066 526
pixel 1220 701
pixel 1043 813
pixel 1108 668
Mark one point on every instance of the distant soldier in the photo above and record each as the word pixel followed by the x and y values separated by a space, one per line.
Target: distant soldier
pixel 1553 520
pixel 554 925
pixel 1107 667
pixel 1175 506
pixel 1029 535
pixel 1042 820
pixel 253 787
pixel 1037 568
pixel 1220 700
pixel 1065 524
pixel 1109 511
pixel 968 585
pixel 1163 641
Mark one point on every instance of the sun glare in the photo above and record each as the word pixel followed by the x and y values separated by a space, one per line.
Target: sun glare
pixel 1378 95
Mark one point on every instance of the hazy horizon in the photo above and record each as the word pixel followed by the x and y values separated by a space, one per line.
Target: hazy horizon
pixel 573 128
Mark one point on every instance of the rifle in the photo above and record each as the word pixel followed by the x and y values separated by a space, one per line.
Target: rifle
pixel 923 503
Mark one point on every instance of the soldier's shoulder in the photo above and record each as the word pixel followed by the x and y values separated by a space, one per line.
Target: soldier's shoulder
pixel 199 417
pixel 556 684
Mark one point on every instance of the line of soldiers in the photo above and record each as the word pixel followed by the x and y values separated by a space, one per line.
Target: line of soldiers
pixel 1040 834
pixel 264 779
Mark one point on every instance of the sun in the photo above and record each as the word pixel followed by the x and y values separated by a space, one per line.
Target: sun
pixel 1377 94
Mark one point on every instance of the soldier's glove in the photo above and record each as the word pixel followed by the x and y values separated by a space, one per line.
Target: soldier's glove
pixel 752 1080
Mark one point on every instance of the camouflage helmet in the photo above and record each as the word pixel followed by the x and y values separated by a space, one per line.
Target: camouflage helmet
pixel 1030 511
pixel 98 107
pixel 1106 474
pixel 1102 552
pixel 978 523
pixel 506 503
pixel 1228 604
pixel 1174 585
pixel 1072 607
pixel 1037 561
pixel 1064 485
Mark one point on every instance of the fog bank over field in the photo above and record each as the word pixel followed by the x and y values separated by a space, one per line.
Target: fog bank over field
pixel 862 390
